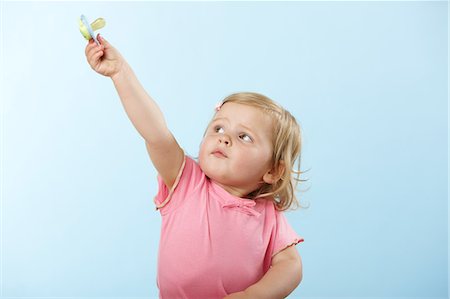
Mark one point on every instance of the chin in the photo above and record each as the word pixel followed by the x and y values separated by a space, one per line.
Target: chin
pixel 208 173
pixel 212 175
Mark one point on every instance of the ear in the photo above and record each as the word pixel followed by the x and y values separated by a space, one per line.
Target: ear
pixel 274 175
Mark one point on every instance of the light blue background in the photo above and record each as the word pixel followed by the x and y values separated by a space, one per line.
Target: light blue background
pixel 366 80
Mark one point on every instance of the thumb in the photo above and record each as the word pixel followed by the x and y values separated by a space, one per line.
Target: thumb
pixel 102 41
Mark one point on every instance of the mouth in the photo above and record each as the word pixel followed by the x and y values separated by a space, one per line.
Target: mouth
pixel 219 154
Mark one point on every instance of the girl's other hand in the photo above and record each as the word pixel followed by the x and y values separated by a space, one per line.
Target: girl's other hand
pixel 103 58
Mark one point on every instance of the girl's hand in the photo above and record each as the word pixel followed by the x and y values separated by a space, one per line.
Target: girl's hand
pixel 103 58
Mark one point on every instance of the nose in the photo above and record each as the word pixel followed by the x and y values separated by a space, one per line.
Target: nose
pixel 225 139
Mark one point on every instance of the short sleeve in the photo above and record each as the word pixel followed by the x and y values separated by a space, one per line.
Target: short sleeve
pixel 189 176
pixel 284 235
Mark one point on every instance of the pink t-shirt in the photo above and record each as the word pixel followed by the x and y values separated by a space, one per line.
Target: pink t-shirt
pixel 213 243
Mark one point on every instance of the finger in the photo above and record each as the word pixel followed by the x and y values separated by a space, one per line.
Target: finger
pixel 97 61
pixel 94 57
pixel 103 41
pixel 97 55
pixel 90 42
pixel 94 48
pixel 89 47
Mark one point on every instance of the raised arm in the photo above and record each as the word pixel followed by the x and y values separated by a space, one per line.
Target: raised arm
pixel 144 113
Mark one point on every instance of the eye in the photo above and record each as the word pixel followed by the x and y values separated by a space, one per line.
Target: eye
pixel 218 129
pixel 245 137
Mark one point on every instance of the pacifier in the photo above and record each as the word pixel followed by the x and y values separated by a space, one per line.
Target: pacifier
pixel 87 30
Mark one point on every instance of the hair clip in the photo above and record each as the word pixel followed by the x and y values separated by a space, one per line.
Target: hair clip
pixel 87 30
pixel 218 106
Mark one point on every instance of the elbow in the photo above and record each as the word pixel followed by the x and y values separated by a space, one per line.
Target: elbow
pixel 298 273
pixel 297 269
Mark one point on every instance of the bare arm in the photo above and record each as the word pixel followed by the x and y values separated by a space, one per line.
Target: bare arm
pixel 142 110
pixel 147 118
pixel 279 281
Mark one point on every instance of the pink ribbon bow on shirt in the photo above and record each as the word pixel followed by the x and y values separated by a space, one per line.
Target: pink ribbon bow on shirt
pixel 244 206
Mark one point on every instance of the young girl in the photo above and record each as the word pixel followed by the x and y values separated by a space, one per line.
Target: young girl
pixel 223 231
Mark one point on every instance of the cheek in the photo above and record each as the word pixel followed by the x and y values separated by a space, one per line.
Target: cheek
pixel 257 159
pixel 202 149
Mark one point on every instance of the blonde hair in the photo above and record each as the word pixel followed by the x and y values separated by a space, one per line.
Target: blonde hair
pixel 286 149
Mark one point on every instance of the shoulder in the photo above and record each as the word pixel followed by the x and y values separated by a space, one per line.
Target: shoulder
pixel 189 178
pixel 192 172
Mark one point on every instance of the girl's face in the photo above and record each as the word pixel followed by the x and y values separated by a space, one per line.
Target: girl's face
pixel 236 151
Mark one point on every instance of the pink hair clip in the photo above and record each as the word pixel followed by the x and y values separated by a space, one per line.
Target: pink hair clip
pixel 218 106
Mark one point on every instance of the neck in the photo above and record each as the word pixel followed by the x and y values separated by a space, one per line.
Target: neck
pixel 235 191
